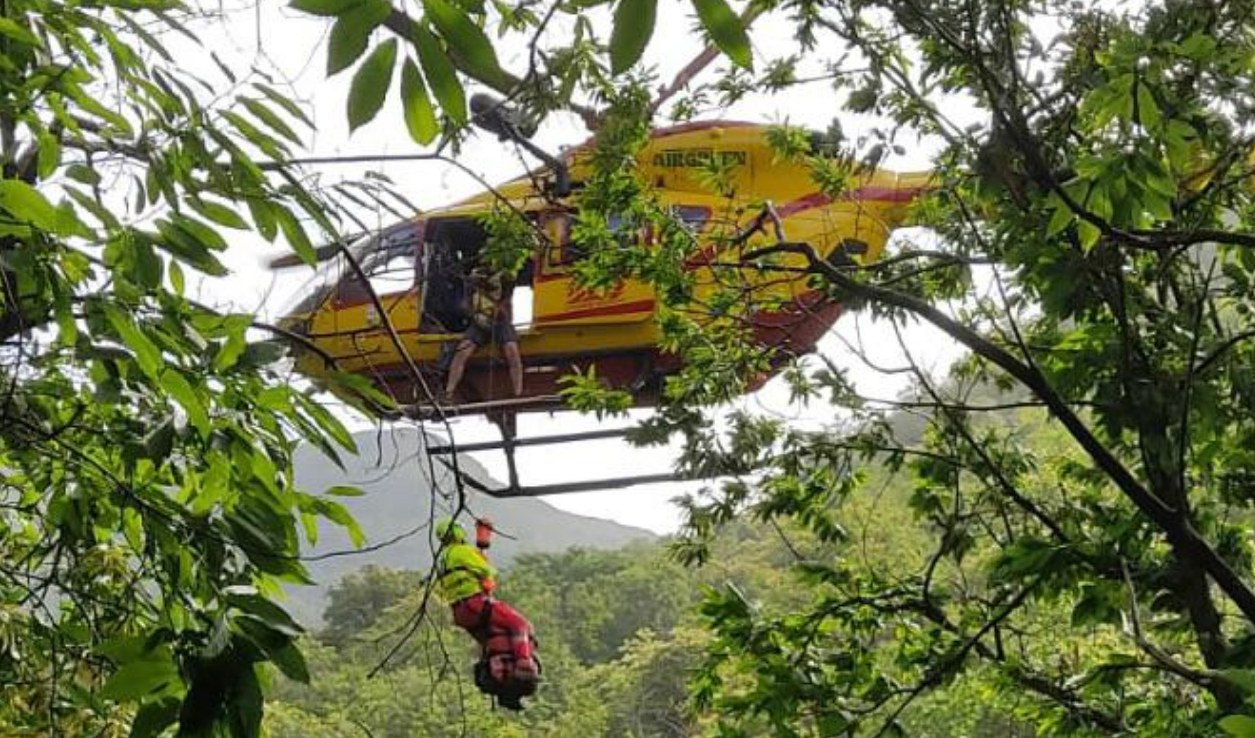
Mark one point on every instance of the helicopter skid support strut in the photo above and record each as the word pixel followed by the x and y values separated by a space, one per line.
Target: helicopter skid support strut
pixel 515 490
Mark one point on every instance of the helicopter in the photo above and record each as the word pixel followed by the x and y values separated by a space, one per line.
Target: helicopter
pixel 391 306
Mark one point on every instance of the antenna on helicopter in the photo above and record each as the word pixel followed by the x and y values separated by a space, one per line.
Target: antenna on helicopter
pixel 495 116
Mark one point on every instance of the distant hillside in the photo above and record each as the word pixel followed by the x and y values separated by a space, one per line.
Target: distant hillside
pixel 393 472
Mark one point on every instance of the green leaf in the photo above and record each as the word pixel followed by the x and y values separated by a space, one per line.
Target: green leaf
pixel 176 278
pixel 1060 219
pixel 269 145
pixel 83 173
pixel 291 662
pixel 270 118
pixel 180 389
pixel 1147 108
pixel 633 25
pixel 370 84
pixel 1199 46
pixel 160 440
pixel 274 616
pixel 155 717
pixel 341 490
pixel 327 422
pixel 1241 726
pixel 284 102
pixel 1088 233
pixel 146 352
pixel 138 679
pixel 466 41
pixel 49 157
pixel 179 242
pixel 726 30
pixel 200 232
pixel 218 213
pixel 420 116
pixel 324 7
pixel 338 514
pixel 17 32
pixel 351 32
pixel 234 346
pixel 1243 679
pixel 261 353
pixel 440 74
pixel 264 218
pixel 27 204
pixel 295 234
pixel 364 387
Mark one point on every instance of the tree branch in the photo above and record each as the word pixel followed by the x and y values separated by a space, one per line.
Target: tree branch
pixel 1188 543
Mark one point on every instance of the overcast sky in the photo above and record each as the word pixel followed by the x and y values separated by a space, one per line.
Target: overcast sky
pixel 276 37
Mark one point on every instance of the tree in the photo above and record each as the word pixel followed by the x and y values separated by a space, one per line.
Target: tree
pixel 1106 201
pixel 145 440
pixel 1108 198
pixel 360 598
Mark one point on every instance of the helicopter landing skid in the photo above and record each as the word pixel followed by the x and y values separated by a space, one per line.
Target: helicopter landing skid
pixel 434 411
pixel 594 485
pixel 513 489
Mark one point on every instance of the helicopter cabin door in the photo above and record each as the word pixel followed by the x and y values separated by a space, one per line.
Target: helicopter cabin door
pixel 559 301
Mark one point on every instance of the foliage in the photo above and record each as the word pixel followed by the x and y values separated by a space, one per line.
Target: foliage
pixel 1113 317
pixel 360 598
pixel 1105 202
pixel 616 656
pixel 146 492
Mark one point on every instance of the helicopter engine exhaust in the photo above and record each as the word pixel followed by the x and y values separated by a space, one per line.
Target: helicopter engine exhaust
pixel 493 115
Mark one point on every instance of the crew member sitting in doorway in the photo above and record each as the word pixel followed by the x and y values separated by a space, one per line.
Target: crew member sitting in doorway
pixel 492 319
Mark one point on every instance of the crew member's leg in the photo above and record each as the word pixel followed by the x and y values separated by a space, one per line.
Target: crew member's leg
pixel 509 619
pixel 508 339
pixel 471 340
pixel 468 615
pixel 515 362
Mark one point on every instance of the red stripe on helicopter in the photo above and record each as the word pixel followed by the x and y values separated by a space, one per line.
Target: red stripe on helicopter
pixel 818 200
pixel 639 306
pixel 872 193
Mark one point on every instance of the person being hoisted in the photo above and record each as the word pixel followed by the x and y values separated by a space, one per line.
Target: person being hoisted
pixel 465 579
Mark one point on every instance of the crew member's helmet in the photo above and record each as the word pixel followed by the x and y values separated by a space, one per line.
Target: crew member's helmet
pixel 449 531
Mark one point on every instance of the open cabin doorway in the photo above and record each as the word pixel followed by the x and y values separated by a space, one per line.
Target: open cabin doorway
pixel 453 247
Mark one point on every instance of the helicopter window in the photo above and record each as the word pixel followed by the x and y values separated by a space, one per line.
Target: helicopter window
pixel 564 252
pixel 389 262
pixel 693 217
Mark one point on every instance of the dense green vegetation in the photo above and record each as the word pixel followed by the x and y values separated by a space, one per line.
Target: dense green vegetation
pixel 617 639
pixel 626 636
pixel 619 635
pixel 1083 568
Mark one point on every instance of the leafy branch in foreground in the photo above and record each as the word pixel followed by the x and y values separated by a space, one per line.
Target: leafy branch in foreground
pixel 146 491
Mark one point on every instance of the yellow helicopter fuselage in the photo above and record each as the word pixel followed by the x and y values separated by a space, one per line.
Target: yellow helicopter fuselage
pixel 413 268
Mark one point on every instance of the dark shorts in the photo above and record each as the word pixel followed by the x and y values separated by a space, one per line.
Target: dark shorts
pixel 501 333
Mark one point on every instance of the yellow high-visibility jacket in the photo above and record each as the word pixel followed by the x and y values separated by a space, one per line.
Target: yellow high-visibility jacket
pixel 463 572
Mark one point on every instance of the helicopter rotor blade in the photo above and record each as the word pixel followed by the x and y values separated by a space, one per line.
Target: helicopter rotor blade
pixel 322 253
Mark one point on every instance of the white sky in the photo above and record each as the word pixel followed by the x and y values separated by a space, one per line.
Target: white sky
pixel 295 44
